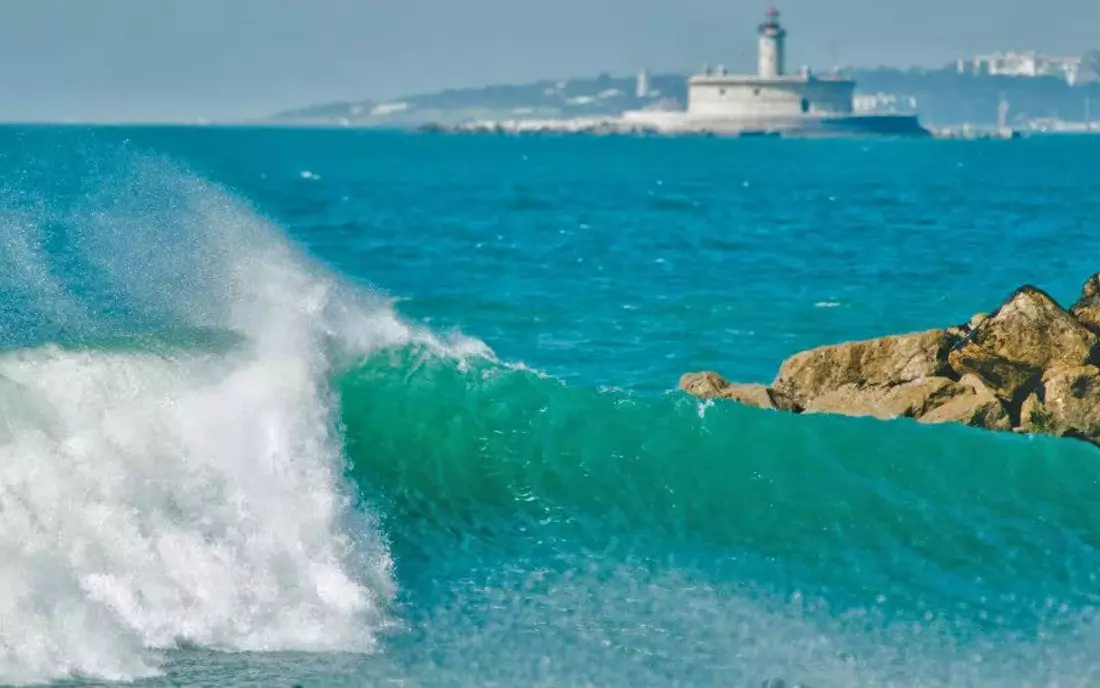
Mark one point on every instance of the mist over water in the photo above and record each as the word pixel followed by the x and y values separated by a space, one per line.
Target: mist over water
pixel 224 459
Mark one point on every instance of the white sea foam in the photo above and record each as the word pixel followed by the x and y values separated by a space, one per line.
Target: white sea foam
pixel 148 500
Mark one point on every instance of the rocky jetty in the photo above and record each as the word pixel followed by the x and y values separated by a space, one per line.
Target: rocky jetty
pixel 1031 366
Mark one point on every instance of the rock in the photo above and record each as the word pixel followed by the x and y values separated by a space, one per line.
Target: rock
pixel 1026 336
pixel 1067 404
pixel 749 395
pixel 1073 398
pixel 882 362
pixel 1034 417
pixel 1008 380
pixel 760 397
pixel 706 385
pixel 1030 328
pixel 975 405
pixel 1029 367
pixel 911 399
pixel 710 385
pixel 1087 308
pixel 972 324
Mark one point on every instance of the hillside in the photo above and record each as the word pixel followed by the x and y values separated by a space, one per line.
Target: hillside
pixel 603 95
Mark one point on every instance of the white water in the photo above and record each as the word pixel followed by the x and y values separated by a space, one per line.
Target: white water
pixel 149 500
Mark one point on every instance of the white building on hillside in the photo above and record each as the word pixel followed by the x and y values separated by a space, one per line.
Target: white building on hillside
pixel 1025 64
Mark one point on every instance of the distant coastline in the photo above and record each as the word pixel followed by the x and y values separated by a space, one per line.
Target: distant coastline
pixel 944 97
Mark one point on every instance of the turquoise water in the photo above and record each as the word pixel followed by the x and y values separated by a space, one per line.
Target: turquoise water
pixel 290 407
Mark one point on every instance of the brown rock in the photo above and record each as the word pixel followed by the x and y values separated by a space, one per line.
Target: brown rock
pixel 963 330
pixel 882 362
pixel 706 385
pixel 1035 419
pixel 1030 366
pixel 1026 336
pixel 910 399
pixel 760 397
pixel 1087 308
pixel 975 405
pixel 1008 380
pixel 1032 329
pixel 749 395
pixel 709 385
pixel 1069 404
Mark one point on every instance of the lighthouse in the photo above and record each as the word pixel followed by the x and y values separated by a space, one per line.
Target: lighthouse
pixel 771 49
pixel 773 102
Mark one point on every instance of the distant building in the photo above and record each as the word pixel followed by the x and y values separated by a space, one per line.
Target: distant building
pixel 773 101
pixel 1022 64
pixel 771 91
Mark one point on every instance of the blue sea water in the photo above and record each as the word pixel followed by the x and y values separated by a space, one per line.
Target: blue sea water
pixel 329 407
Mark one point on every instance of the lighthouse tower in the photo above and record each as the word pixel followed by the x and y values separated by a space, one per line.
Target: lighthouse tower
pixel 771 50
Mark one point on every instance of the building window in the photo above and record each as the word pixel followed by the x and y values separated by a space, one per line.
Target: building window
pixel 805 105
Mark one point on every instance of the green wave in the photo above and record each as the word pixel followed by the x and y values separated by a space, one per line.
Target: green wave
pixel 507 458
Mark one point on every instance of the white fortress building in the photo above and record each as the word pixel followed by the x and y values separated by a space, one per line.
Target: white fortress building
pixel 773 101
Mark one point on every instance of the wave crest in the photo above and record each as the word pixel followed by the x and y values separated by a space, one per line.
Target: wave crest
pixel 158 495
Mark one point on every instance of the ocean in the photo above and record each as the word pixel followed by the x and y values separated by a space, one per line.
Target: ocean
pixel 302 407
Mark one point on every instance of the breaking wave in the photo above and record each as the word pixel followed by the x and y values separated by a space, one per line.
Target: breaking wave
pixel 170 458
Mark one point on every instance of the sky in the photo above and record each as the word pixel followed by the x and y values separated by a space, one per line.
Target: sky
pixel 159 60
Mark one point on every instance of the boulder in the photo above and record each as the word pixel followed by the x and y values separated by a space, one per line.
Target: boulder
pixel 705 385
pixel 1035 419
pixel 882 362
pixel 760 397
pixel 1067 404
pixel 710 385
pixel 974 405
pixel 1087 308
pixel 1073 398
pixel 1029 367
pixel 1009 380
pixel 1028 335
pixel 911 399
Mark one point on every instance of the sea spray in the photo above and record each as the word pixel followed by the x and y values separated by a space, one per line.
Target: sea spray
pixel 155 497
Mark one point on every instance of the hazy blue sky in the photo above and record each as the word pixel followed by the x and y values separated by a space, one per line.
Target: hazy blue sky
pixel 159 59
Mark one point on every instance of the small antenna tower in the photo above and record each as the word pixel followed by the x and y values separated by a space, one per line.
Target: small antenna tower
pixel 1002 113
